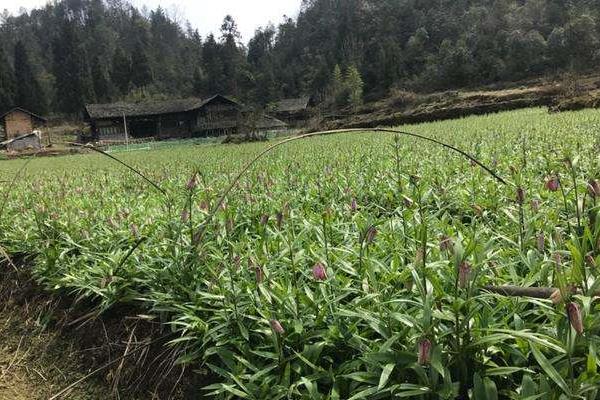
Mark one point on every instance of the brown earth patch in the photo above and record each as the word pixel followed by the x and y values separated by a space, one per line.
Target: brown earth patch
pixel 47 343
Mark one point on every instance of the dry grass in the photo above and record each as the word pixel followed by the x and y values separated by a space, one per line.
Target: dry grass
pixel 44 349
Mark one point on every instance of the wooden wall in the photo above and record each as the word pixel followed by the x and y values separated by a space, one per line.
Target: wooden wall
pixel 18 123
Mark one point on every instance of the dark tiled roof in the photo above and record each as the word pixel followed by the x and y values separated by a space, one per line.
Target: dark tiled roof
pixel 117 110
pixel 25 111
pixel 292 105
pixel 268 122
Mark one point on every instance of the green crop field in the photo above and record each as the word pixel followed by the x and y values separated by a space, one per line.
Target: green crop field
pixel 351 266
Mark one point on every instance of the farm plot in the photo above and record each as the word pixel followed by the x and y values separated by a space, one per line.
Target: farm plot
pixel 342 267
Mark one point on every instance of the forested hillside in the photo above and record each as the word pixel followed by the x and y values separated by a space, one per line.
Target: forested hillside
pixel 59 57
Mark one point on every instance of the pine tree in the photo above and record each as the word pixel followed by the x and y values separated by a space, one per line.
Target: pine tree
pixel 141 73
pixel 354 84
pixel 232 56
pixel 7 83
pixel 121 71
pixel 74 85
pixel 101 84
pixel 337 85
pixel 213 65
pixel 29 94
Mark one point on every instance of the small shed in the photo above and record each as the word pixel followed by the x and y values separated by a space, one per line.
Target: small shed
pixel 293 111
pixel 28 141
pixel 18 122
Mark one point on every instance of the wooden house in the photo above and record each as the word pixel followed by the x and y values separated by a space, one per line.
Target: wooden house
pixel 168 119
pixel 294 111
pixel 18 122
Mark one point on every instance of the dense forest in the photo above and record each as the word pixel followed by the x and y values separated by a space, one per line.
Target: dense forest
pixel 57 58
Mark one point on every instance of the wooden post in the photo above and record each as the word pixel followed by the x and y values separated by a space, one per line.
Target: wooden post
pixel 49 134
pixel 126 134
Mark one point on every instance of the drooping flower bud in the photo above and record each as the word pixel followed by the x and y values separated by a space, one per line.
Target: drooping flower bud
pixel 590 260
pixel 464 274
pixel 574 314
pixel 553 184
pixel 557 257
pixel 260 275
pixel 535 205
pixel 192 182
pixel 134 230
pixel 541 241
pixel 276 326
pixel 279 217
pixel 204 205
pixel 371 234
pixel 520 195
pixel 446 244
pixel 264 219
pixel 185 216
pixel 594 188
pixel 353 205
pixel 424 354
pixel 319 272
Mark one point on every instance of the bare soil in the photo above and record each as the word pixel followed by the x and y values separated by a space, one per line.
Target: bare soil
pixel 48 343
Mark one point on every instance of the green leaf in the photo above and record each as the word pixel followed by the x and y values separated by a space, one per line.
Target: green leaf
pixel 499 335
pixel 484 388
pixel 549 369
pixel 410 390
pixel 491 392
pixel 528 387
pixel 478 389
pixel 311 387
pixel 243 331
pixel 385 375
pixel 504 371
pixel 361 376
pixel 221 388
pixel 364 394
pixel 436 360
pixel 592 360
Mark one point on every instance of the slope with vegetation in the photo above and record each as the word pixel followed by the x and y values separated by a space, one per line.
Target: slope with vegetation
pixel 354 266
pixel 76 51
